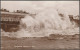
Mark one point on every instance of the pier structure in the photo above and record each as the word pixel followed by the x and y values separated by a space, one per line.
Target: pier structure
pixel 10 21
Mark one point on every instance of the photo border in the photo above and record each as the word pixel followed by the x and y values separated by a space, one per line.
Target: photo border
pixel 43 0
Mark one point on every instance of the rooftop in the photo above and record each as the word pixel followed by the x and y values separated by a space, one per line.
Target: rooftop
pixel 13 13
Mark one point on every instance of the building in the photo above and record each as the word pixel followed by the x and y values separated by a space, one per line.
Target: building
pixel 10 21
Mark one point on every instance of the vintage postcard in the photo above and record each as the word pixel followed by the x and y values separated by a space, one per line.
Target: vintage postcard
pixel 39 25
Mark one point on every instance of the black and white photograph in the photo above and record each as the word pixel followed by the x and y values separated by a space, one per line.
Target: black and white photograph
pixel 39 25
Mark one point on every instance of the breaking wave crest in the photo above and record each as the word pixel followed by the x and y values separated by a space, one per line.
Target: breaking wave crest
pixel 43 24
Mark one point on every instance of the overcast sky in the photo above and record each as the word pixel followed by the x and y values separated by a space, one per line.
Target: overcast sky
pixel 71 7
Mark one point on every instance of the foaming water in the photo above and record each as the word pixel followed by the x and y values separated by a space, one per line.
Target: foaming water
pixel 45 23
